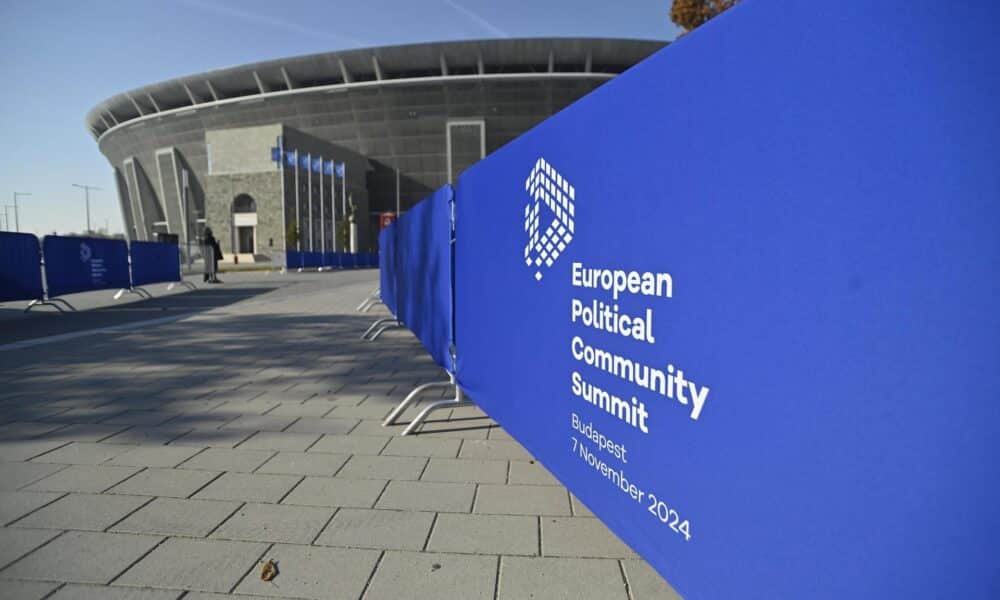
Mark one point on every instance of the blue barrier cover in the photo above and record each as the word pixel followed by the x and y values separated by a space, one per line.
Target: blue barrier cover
pixel 312 260
pixel 20 267
pixel 77 264
pixel 155 262
pixel 387 267
pixel 742 301
pixel 329 259
pixel 294 259
pixel 349 260
pixel 423 274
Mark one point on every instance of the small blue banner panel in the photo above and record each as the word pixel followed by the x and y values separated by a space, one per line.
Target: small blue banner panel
pixel 742 300
pixel 387 267
pixel 312 260
pixel 77 264
pixel 154 262
pixel 294 259
pixel 423 274
pixel 20 267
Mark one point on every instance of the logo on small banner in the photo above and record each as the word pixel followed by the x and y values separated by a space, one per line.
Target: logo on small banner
pixel 546 186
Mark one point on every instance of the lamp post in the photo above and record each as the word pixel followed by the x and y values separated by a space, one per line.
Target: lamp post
pixel 17 221
pixel 86 194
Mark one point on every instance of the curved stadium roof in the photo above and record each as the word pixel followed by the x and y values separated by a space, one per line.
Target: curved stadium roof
pixel 387 65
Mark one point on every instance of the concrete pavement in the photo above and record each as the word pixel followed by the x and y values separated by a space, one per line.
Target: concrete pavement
pixel 170 457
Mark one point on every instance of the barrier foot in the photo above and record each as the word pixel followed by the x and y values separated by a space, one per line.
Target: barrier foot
pixel 458 400
pixel 384 328
pixel 375 325
pixel 119 293
pixel 143 292
pixel 170 286
pixel 369 307
pixel 372 297
pixel 411 397
pixel 35 303
pixel 189 285
pixel 51 300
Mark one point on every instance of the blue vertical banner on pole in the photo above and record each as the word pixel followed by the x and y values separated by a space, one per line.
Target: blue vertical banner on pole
pixel 20 267
pixel 423 274
pixel 742 301
pixel 387 267
pixel 154 262
pixel 77 264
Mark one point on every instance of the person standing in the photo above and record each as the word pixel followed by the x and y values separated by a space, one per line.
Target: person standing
pixel 211 253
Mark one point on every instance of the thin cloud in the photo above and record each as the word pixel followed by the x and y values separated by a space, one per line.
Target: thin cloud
pixel 478 19
pixel 229 11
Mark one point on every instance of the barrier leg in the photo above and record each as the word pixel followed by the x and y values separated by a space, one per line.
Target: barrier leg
pixel 375 325
pixel 458 400
pixel 374 303
pixel 52 300
pixel 411 397
pixel 35 303
pixel 189 285
pixel 385 328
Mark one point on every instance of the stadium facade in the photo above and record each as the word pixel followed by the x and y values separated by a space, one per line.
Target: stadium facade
pixel 257 151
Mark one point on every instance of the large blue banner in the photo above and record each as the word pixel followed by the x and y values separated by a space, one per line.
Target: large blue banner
pixel 312 260
pixel 742 301
pixel 20 267
pixel 294 259
pixel 423 274
pixel 154 262
pixel 387 267
pixel 76 264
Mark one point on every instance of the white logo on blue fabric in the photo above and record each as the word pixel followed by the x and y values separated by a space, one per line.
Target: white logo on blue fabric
pixel 85 252
pixel 546 186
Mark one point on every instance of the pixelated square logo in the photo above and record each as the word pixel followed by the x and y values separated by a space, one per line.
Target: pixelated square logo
pixel 547 188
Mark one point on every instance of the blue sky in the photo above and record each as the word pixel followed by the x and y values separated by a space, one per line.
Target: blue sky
pixel 60 58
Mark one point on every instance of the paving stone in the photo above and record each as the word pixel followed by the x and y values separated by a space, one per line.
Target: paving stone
pixel 497 433
pixel 227 459
pixel 14 505
pixel 581 537
pixel 173 483
pixel 377 529
pixel 148 436
pixel 84 415
pixel 301 463
pixel 89 512
pixel 79 591
pixel 485 534
pixel 16 542
pixel 461 470
pixel 81 453
pixel 199 420
pixel 140 417
pixel 204 596
pixel 217 438
pixel 311 572
pixel 25 430
pixel 350 444
pixel 426 495
pixel 249 488
pixel 266 440
pixel 365 410
pixel 153 456
pixel 577 578
pixel 260 423
pixel 172 516
pixel 522 500
pixel 579 508
pixel 646 583
pixel 313 409
pixel 494 449
pixel 19 450
pixel 530 473
pixel 422 446
pixel 203 565
pixel 317 491
pixel 438 576
pixel 83 478
pixel 84 433
pixel 327 425
pixel 274 523
pixel 17 475
pixel 27 590
pixel 85 557
pixel 383 467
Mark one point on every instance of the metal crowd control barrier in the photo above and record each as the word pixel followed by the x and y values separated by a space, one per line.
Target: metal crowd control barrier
pixel 387 284
pixel 21 272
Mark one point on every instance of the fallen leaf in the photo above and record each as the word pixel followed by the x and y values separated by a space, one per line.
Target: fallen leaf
pixel 270 571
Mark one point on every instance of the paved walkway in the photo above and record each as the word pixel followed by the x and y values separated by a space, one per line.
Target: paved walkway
pixel 208 432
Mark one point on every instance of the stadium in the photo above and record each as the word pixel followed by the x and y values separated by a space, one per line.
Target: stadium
pixel 315 152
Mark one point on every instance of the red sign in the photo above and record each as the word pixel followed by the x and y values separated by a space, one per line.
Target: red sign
pixel 385 219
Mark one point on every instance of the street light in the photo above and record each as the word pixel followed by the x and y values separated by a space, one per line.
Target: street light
pixel 17 221
pixel 86 194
